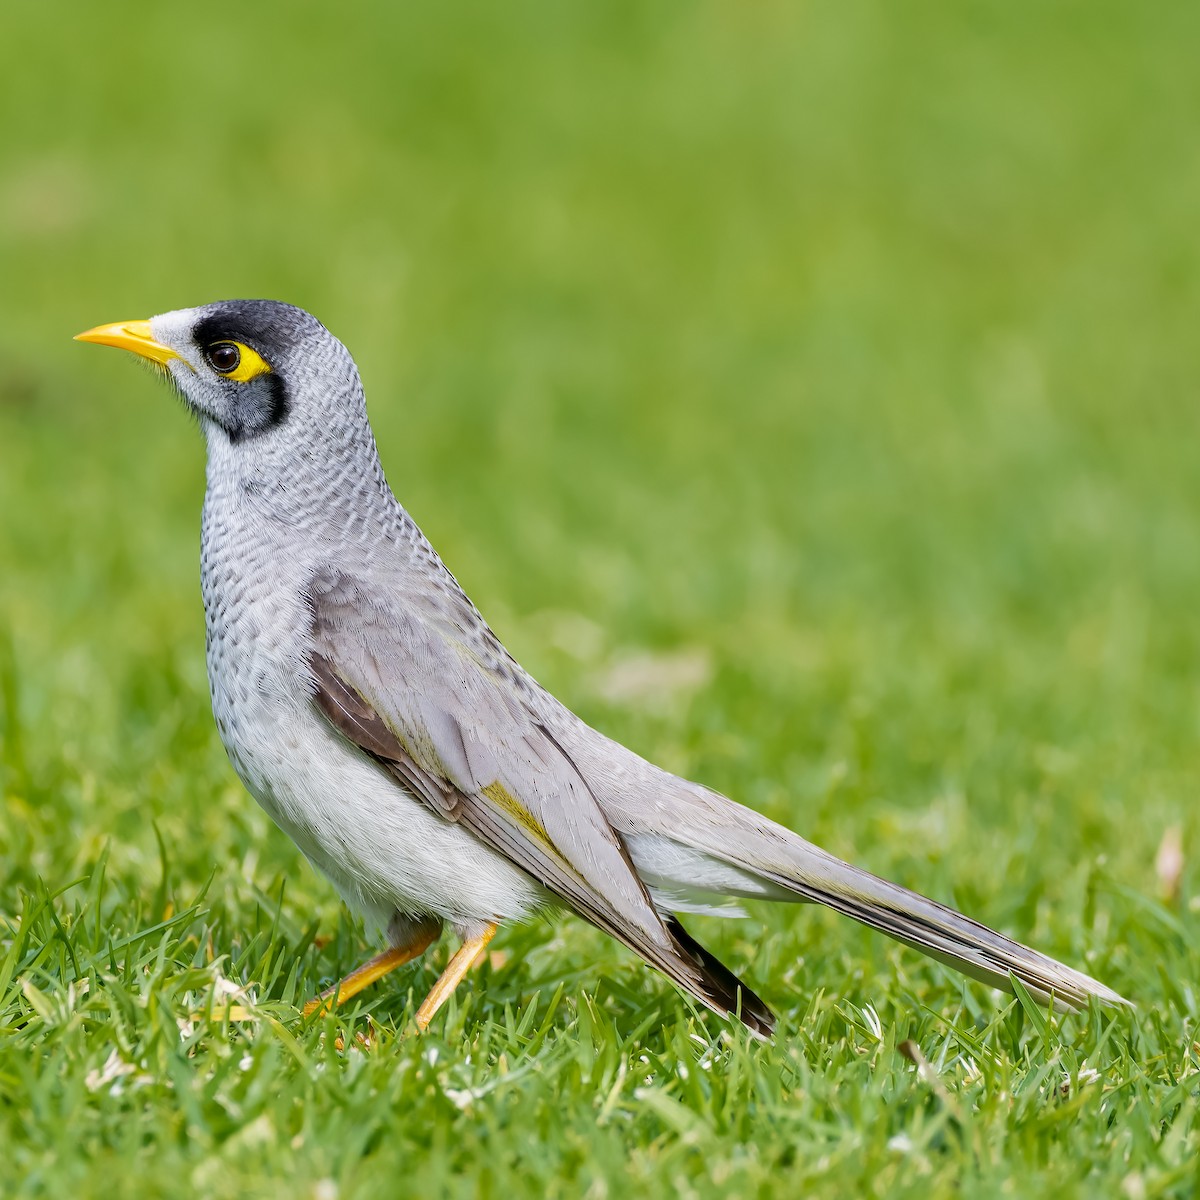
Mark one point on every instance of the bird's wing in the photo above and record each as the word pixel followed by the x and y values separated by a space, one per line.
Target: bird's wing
pixel 415 678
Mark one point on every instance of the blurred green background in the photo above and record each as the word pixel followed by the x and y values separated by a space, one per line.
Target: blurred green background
pixel 806 392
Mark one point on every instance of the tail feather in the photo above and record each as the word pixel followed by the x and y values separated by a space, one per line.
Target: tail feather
pixel 957 940
pixel 810 873
pixel 689 843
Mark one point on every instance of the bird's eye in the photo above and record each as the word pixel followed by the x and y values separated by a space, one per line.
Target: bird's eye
pixel 236 361
pixel 223 357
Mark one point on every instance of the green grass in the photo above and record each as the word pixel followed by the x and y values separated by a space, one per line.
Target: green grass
pixel 845 354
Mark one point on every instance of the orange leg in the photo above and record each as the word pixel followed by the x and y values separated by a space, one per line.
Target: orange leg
pixel 464 959
pixel 375 968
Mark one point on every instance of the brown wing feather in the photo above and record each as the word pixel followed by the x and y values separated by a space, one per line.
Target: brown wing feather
pixel 360 723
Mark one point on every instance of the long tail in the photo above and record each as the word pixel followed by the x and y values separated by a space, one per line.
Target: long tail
pixel 719 848
pixel 791 868
pixel 692 846
pixel 947 935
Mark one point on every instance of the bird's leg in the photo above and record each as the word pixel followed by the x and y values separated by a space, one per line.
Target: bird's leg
pixel 464 959
pixel 418 938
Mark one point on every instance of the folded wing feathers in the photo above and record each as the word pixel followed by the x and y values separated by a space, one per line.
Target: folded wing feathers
pixel 459 736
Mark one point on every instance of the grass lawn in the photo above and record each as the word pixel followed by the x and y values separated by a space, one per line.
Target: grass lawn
pixel 808 394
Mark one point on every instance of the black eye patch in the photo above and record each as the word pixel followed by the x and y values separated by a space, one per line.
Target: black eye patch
pixel 256 407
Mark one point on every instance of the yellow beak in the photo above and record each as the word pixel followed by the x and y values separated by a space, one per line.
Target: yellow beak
pixel 129 335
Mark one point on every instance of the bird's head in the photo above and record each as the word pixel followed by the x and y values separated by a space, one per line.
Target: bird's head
pixel 249 369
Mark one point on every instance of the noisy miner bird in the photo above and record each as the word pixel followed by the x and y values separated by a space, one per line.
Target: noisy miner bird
pixel 367 706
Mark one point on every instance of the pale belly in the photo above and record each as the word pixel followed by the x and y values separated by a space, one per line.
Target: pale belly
pixel 383 850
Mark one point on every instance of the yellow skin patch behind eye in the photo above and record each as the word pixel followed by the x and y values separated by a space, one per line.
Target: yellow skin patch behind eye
pixel 251 364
